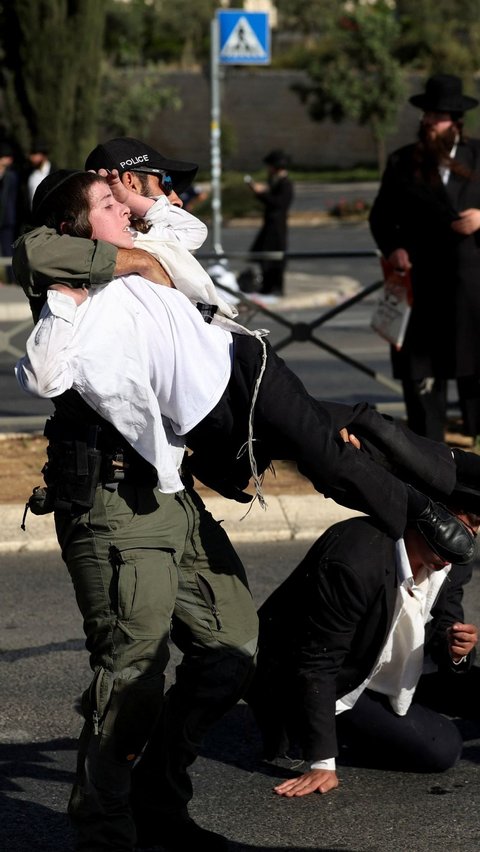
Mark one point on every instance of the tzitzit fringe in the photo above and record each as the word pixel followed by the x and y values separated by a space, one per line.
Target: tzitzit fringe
pixel 257 479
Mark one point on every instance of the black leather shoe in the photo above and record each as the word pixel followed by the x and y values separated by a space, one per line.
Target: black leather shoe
pixel 180 834
pixel 445 534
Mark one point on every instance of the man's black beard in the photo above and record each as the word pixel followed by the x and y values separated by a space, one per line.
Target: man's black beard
pixel 434 151
pixel 437 147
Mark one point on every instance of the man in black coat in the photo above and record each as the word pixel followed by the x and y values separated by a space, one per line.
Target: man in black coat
pixel 426 218
pixel 366 638
pixel 277 198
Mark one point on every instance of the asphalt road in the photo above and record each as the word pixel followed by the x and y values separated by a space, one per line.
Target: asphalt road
pixel 44 668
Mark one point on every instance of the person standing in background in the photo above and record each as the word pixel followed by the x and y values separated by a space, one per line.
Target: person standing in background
pixel 8 204
pixel 41 166
pixel 426 218
pixel 276 197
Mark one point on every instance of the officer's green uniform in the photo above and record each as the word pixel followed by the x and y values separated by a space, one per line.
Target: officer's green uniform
pixel 143 564
pixel 42 256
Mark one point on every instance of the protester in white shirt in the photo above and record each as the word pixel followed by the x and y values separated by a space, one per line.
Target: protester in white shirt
pixel 365 644
pixel 236 386
pixel 146 564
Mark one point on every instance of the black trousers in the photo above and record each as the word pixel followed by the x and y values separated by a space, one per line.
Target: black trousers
pixel 273 273
pixel 424 740
pixel 290 424
pixel 427 406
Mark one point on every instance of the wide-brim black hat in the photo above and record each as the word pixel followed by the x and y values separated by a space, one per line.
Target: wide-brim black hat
pixel 130 155
pixel 465 497
pixel 443 93
pixel 48 185
pixel 278 159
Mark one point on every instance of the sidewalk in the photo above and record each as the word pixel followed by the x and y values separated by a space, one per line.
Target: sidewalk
pixel 286 518
pixel 303 291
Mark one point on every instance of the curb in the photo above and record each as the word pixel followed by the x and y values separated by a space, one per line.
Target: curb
pixel 340 288
pixel 287 518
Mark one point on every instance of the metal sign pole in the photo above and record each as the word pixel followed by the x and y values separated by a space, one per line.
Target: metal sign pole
pixel 215 137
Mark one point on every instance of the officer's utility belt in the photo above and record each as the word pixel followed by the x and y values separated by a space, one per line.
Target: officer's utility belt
pixel 80 457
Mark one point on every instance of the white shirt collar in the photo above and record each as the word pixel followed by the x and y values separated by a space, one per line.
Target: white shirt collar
pixel 444 170
pixel 405 575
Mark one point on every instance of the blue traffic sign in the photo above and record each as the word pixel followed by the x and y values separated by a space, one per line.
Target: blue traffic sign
pixel 244 37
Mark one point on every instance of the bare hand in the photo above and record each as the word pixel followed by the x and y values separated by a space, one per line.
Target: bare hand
pixel 257 187
pixel 400 260
pixel 314 781
pixel 78 294
pixel 468 222
pixel 462 638
pixel 349 438
pixel 119 191
pixel 139 204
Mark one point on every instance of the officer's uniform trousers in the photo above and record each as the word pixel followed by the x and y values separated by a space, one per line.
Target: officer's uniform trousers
pixel 139 561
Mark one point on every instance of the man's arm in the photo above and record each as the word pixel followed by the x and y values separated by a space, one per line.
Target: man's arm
pixel 43 253
pixel 41 256
pixel 334 602
pixel 171 222
pixel 77 262
pixel 330 598
pixel 450 642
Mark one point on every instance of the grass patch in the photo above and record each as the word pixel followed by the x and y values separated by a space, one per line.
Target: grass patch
pixel 238 201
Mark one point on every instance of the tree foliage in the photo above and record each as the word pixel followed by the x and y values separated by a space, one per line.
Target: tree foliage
pixel 353 72
pixel 51 61
pixel 56 53
pixel 159 31
pixel 438 35
pixel 131 99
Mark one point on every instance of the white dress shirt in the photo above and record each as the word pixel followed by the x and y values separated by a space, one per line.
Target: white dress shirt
pixel 399 665
pixel 35 178
pixel 140 355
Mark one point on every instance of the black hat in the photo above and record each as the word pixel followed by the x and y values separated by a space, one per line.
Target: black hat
pixel 278 159
pixel 39 146
pixel 464 497
pixel 6 149
pixel 131 155
pixel 49 185
pixel 443 93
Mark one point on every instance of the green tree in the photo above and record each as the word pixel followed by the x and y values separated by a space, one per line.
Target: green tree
pixel 353 73
pixel 50 76
pixel 131 98
pixel 438 35
pixel 125 32
pixel 142 32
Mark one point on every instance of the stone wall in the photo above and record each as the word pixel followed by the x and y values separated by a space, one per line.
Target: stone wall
pixel 264 113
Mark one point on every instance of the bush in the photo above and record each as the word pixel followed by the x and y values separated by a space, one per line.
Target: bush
pixel 343 209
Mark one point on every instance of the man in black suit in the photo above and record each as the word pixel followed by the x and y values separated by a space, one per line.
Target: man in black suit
pixel 366 640
pixel 276 197
pixel 426 218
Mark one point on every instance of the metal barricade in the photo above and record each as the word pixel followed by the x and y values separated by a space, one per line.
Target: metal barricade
pixel 303 332
pixel 298 332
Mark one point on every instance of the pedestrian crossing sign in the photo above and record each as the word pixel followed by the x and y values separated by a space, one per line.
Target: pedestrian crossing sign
pixel 244 37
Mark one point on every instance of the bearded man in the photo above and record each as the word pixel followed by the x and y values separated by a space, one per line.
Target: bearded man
pixel 426 219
